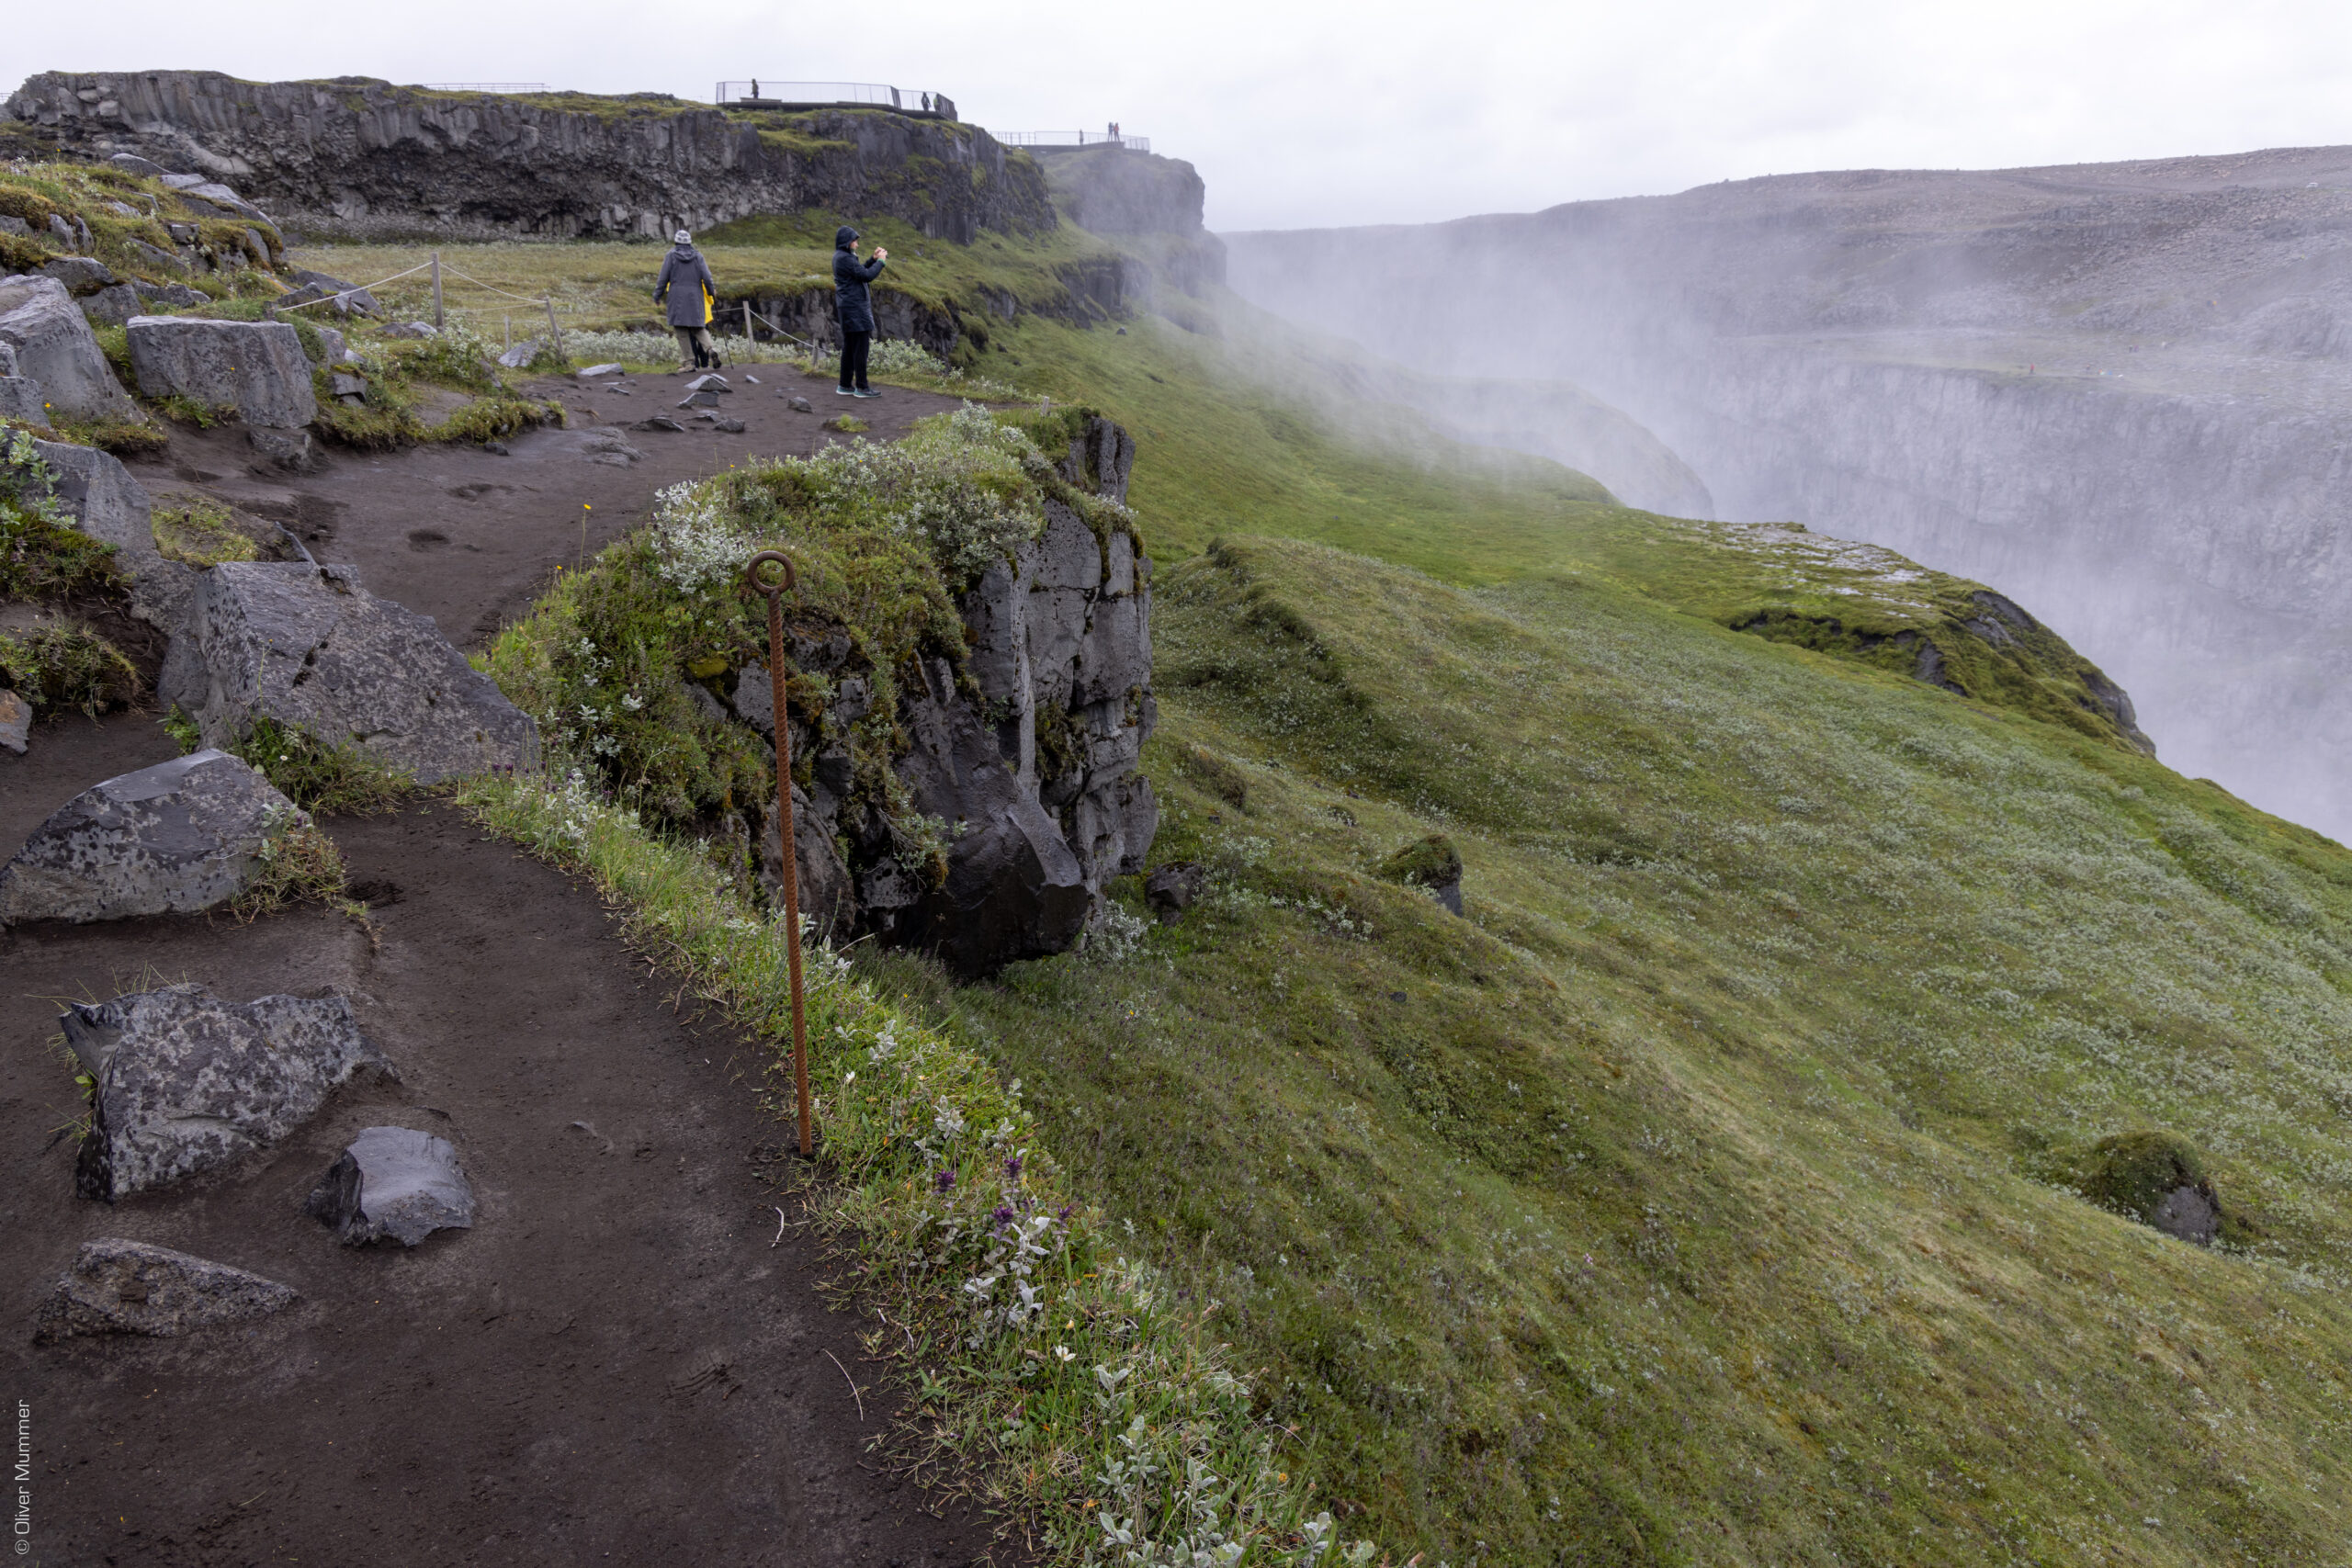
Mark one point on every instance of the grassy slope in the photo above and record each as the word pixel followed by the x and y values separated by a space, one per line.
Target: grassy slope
pixel 1688 1206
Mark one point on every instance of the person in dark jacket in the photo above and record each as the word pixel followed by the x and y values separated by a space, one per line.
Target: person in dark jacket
pixel 854 308
pixel 685 284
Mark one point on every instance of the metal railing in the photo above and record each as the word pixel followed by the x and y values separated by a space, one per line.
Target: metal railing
pixel 760 93
pixel 1050 141
pixel 485 86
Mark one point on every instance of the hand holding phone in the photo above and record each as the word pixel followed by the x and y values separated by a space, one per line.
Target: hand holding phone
pixel 881 255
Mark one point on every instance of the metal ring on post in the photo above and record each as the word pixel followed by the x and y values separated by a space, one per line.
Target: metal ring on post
pixel 752 583
pixel 788 837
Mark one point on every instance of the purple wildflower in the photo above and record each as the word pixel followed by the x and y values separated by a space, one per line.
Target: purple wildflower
pixel 1004 1215
pixel 1012 1167
pixel 944 1181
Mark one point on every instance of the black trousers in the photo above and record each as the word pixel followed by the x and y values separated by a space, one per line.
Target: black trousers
pixel 854 348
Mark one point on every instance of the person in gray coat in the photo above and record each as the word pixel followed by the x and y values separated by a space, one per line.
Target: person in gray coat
pixel 686 285
pixel 854 308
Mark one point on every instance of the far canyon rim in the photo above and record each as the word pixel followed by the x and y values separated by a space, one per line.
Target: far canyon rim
pixel 2119 391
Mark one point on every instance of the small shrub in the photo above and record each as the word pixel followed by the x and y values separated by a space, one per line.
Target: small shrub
pixel 183 410
pixel 68 666
pixel 299 864
pixel 2132 1173
pixel 1214 774
pixel 847 424
pixel 334 781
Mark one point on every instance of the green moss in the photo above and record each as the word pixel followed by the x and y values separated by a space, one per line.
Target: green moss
pixel 68 666
pixel 200 532
pixel 42 559
pixel 335 780
pixel 1213 774
pixel 2133 1173
pixel 846 425
pixel 1429 862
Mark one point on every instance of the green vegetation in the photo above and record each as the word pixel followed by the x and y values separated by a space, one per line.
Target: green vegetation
pixel 200 531
pixel 333 781
pixel 1057 1382
pixel 299 864
pixel 45 562
pixel 1430 862
pixel 1746 1178
pixel 67 665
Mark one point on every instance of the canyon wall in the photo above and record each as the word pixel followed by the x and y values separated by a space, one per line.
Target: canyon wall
pixel 2116 391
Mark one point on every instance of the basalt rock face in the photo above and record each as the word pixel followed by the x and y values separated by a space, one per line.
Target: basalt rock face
pixel 1027 761
pixel 359 156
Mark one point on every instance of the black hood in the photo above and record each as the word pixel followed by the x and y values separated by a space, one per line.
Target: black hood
pixel 844 237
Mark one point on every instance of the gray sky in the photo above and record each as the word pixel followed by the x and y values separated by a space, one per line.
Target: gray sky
pixel 1316 112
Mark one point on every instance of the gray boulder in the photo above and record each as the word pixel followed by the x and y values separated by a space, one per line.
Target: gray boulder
pixel 393 1183
pixel 174 294
pixel 54 346
pixel 288 449
pixel 171 261
pixel 520 355
pixel 310 646
pixel 101 498
pixel 256 368
pixel 21 398
pixel 132 164
pixel 1174 888
pixel 187 1083
pixel 128 1287
pixel 178 837
pixel 81 274
pixel 16 721
pixel 112 306
pixel 1013 889
pixel 594 371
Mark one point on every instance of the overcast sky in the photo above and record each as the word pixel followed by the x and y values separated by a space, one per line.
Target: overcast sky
pixel 1314 112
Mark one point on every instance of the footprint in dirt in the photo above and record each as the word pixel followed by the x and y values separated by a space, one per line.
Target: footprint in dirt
pixel 476 491
pixel 194 475
pixel 425 540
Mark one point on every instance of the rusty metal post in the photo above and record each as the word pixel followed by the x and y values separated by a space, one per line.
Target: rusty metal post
pixel 785 846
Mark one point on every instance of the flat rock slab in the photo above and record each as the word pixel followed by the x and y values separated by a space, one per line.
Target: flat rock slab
pixel 256 368
pixel 179 837
pixel 393 1183
pixel 129 1287
pixel 310 646
pixel 187 1082
pixel 54 345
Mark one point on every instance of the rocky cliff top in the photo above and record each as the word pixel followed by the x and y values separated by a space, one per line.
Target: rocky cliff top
pixel 356 155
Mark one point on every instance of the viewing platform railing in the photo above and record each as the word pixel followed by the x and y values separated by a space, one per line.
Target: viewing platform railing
pixel 1069 141
pixel 760 92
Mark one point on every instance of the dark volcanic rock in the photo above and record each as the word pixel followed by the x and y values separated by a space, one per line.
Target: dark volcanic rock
pixel 393 1183
pixel 364 156
pixel 179 837
pixel 187 1082
pixel 310 646
pixel 128 1287
pixel 1174 888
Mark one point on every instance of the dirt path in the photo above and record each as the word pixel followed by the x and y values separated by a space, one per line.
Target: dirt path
pixel 614 1360
pixel 618 1362
pixel 470 538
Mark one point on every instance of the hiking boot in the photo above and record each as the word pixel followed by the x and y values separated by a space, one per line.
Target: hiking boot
pixel 845 392
pixel 682 369
pixel 867 392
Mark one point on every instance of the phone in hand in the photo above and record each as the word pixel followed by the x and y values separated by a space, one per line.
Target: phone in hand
pixel 881 255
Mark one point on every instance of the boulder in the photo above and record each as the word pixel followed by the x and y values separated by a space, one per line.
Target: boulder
pixel 1432 865
pixel 113 306
pixel 128 1287
pixel 24 399
pixel 310 646
pixel 594 371
pixel 288 449
pixel 333 348
pixel 710 381
pixel 187 1083
pixel 100 498
pixel 178 837
pixel 54 345
pixel 132 164
pixel 168 293
pixel 1174 888
pixel 827 895
pixel 155 255
pixel 414 330
pixel 393 1183
pixel 1013 889
pixel 256 368
pixel 801 405
pixel 521 355
pixel 16 721
pixel 81 274
pixel 349 298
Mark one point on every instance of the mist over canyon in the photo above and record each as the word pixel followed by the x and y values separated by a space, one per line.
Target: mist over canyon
pixel 2116 392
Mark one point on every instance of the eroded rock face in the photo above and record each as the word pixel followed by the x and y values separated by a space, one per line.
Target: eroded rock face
pixel 128 1287
pixel 360 156
pixel 187 1083
pixel 100 498
pixel 393 1183
pixel 179 837
pixel 310 646
pixel 255 368
pixel 54 345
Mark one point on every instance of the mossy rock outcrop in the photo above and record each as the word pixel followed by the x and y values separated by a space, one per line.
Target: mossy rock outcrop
pixel 2157 1179
pixel 1431 863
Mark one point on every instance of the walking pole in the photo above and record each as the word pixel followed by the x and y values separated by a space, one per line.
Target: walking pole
pixel 436 291
pixel 774 592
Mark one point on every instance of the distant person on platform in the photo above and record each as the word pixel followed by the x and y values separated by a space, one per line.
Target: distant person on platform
pixel 855 309
pixel 685 283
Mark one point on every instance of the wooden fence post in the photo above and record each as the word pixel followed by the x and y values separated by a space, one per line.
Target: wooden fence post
pixel 436 291
pixel 554 332
pixel 747 325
